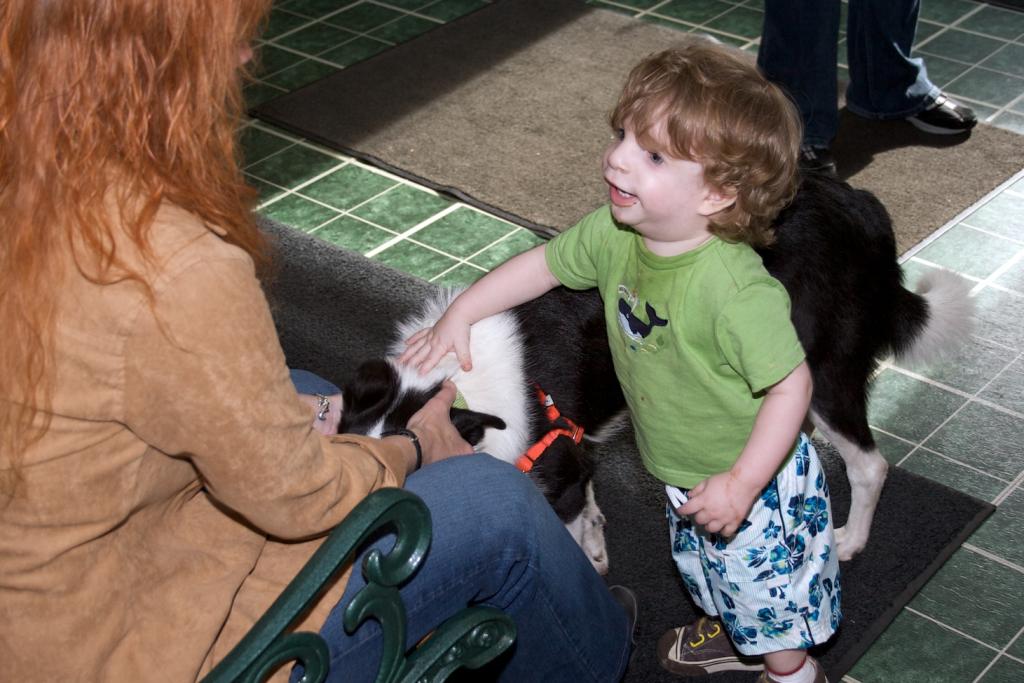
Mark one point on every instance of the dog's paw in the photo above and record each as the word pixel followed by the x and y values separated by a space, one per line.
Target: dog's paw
pixel 593 542
pixel 848 544
pixel 597 553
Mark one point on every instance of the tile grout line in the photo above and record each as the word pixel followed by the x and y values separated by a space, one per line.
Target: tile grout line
pixel 1005 109
pixel 993 557
pixel 976 286
pixel 339 217
pixel 460 260
pixel 291 137
pixel 437 278
pixel 465 261
pixel 325 19
pixel 942 230
pixel 412 12
pixel 413 230
pixel 917 448
pixel 653 12
pixel 1009 490
pixel 957 24
pixel 954 24
pixel 952 629
pixel 315 58
pixel 349 210
pixel 302 142
pixel 976 397
pixel 933 432
pixel 1003 652
pixel 293 190
pixel 998 272
pixel 967 223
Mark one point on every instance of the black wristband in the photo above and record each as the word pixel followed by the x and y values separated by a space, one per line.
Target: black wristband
pixel 411 435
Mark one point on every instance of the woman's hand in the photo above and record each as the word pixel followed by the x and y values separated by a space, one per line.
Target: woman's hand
pixel 429 345
pixel 432 424
pixel 328 424
pixel 720 503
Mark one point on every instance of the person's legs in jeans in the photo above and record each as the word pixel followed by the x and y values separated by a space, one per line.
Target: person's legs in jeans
pixel 798 51
pixel 885 83
pixel 497 542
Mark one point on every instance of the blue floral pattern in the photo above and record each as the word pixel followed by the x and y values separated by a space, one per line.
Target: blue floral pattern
pixel 816 514
pixel 775 584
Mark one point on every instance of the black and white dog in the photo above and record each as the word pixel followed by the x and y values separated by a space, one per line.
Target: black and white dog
pixel 836 255
pixel 556 343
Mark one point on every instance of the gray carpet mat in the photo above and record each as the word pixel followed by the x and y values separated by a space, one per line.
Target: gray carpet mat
pixel 335 308
pixel 506 110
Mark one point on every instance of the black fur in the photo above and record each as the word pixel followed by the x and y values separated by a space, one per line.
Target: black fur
pixel 835 253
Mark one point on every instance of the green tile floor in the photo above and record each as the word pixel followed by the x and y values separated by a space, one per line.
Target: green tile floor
pixel 960 422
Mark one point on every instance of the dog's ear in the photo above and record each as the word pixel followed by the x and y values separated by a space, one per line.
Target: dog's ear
pixel 471 424
pixel 367 397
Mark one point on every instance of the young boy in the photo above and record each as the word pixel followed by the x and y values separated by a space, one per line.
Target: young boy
pixel 704 156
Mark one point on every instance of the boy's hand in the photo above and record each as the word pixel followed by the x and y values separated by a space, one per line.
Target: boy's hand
pixel 720 503
pixel 430 344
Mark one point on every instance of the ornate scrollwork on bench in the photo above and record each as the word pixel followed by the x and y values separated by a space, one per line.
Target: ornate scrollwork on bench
pixel 471 638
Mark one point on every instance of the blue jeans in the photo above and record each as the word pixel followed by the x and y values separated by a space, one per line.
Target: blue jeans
pixel 497 542
pixel 799 51
pixel 307 382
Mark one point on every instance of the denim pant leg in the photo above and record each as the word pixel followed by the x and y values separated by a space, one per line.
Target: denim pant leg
pixel 497 542
pixel 885 83
pixel 798 52
pixel 307 382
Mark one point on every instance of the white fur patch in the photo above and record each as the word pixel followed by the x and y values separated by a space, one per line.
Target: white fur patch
pixel 866 471
pixel 950 316
pixel 494 385
pixel 616 424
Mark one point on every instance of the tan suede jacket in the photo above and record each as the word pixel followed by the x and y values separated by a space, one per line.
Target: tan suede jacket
pixel 180 481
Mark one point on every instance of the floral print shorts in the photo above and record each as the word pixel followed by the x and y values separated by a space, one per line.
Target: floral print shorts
pixel 775 584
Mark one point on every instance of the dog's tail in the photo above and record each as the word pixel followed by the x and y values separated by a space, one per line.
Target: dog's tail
pixel 934 319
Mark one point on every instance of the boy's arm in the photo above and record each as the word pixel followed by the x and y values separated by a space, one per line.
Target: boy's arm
pixel 520 279
pixel 721 502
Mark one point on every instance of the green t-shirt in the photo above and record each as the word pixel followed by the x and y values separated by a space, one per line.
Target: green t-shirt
pixel 696 339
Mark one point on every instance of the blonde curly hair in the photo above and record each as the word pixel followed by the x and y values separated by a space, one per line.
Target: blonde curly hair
pixel 720 111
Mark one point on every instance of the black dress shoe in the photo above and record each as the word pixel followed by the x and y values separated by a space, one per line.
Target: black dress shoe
pixel 818 159
pixel 944 116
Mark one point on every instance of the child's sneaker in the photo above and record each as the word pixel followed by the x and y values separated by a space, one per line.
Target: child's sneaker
pixel 819 673
pixel 702 648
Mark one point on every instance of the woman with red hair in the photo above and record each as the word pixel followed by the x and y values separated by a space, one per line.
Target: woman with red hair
pixel 160 479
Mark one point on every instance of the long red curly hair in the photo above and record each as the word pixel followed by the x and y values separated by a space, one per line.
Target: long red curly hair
pixel 141 95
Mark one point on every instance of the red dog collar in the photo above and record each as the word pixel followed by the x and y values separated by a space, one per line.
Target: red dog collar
pixel 564 427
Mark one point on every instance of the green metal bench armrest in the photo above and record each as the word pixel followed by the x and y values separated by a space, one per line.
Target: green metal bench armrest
pixel 471 638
